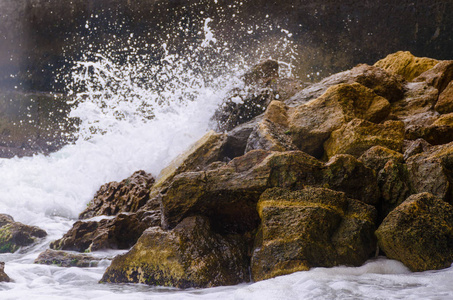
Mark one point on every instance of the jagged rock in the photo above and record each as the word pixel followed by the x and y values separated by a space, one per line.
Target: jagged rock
pixel 416 147
pixel 444 104
pixel 430 171
pixel 419 233
pixel 444 120
pixel 190 255
pixel 66 259
pixel 416 108
pixel 394 185
pixel 3 276
pixel 237 139
pixel 405 64
pixel 347 174
pixel 313 227
pixel 128 195
pixel 433 134
pixel 311 124
pixel 263 73
pixel 358 136
pixel 376 157
pixel 439 76
pixel 120 232
pixel 381 82
pixel 14 235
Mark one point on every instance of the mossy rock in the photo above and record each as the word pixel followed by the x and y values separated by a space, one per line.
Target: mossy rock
pixel 358 136
pixel 190 255
pixel 14 235
pixel 405 64
pixel 66 259
pixel 419 233
pixel 313 227
pixel 376 157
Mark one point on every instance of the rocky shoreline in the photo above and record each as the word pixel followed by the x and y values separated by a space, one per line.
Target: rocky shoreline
pixel 333 173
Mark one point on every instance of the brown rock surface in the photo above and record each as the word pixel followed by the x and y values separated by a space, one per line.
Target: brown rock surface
pixel 66 259
pixel 445 103
pixel 14 235
pixel 3 276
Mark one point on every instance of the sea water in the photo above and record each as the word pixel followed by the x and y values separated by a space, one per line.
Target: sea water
pixel 136 113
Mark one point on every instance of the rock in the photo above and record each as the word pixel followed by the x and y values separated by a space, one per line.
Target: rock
pixel 120 232
pixel 262 74
pixel 377 156
pixel 311 124
pixel 381 82
pixel 190 255
pixel 236 141
pixel 3 276
pixel 208 149
pixel 444 120
pixel 444 104
pixel 128 195
pixel 419 233
pixel 430 171
pixel 313 227
pixel 439 76
pixel 394 185
pixel 358 136
pixel 347 174
pixel 416 147
pixel 66 259
pixel 405 64
pixel 14 235
pixel 416 108
pixel 433 134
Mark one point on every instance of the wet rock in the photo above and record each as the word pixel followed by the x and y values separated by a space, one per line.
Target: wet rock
pixel 405 64
pixel 430 171
pixel 358 136
pixel 444 104
pixel 347 174
pixel 381 82
pixel 3 276
pixel 419 233
pixel 14 235
pixel 190 255
pixel 416 147
pixel 311 124
pixel 66 259
pixel 377 156
pixel 439 76
pixel 128 195
pixel 237 139
pixel 394 185
pixel 313 227
pixel 120 232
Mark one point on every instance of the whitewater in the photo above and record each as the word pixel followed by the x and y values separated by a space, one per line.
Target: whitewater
pixel 129 124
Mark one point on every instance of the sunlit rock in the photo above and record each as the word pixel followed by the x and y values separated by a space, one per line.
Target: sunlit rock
pixel 445 103
pixel 419 233
pixel 14 235
pixel 313 227
pixel 190 255
pixel 377 156
pixel 439 76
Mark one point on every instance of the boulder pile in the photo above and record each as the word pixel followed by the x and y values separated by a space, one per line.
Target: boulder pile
pixel 357 165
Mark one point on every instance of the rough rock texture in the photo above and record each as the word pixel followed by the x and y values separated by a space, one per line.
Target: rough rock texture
pixel 311 124
pixel 439 76
pixel 120 232
pixel 3 276
pixel 358 136
pixel 444 104
pixel 433 134
pixel 430 171
pixel 190 255
pixel 405 64
pixel 313 227
pixel 66 259
pixel 416 147
pixel 419 233
pixel 14 235
pixel 128 195
pixel 347 174
pixel 377 156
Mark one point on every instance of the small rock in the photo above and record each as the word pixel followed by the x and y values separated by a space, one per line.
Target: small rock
pixel 66 259
pixel 3 276
pixel 419 233
pixel 376 157
pixel 439 76
pixel 14 235
pixel 444 104
pixel 416 147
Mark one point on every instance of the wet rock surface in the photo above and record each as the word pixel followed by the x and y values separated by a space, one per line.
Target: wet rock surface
pixel 66 259
pixel 3 276
pixel 14 235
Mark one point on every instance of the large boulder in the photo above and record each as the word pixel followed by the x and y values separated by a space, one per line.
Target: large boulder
pixel 190 255
pixel 405 64
pixel 444 104
pixel 311 124
pixel 313 227
pixel 14 235
pixel 430 171
pixel 419 233
pixel 113 198
pixel 358 136
pixel 66 259
pixel 120 232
